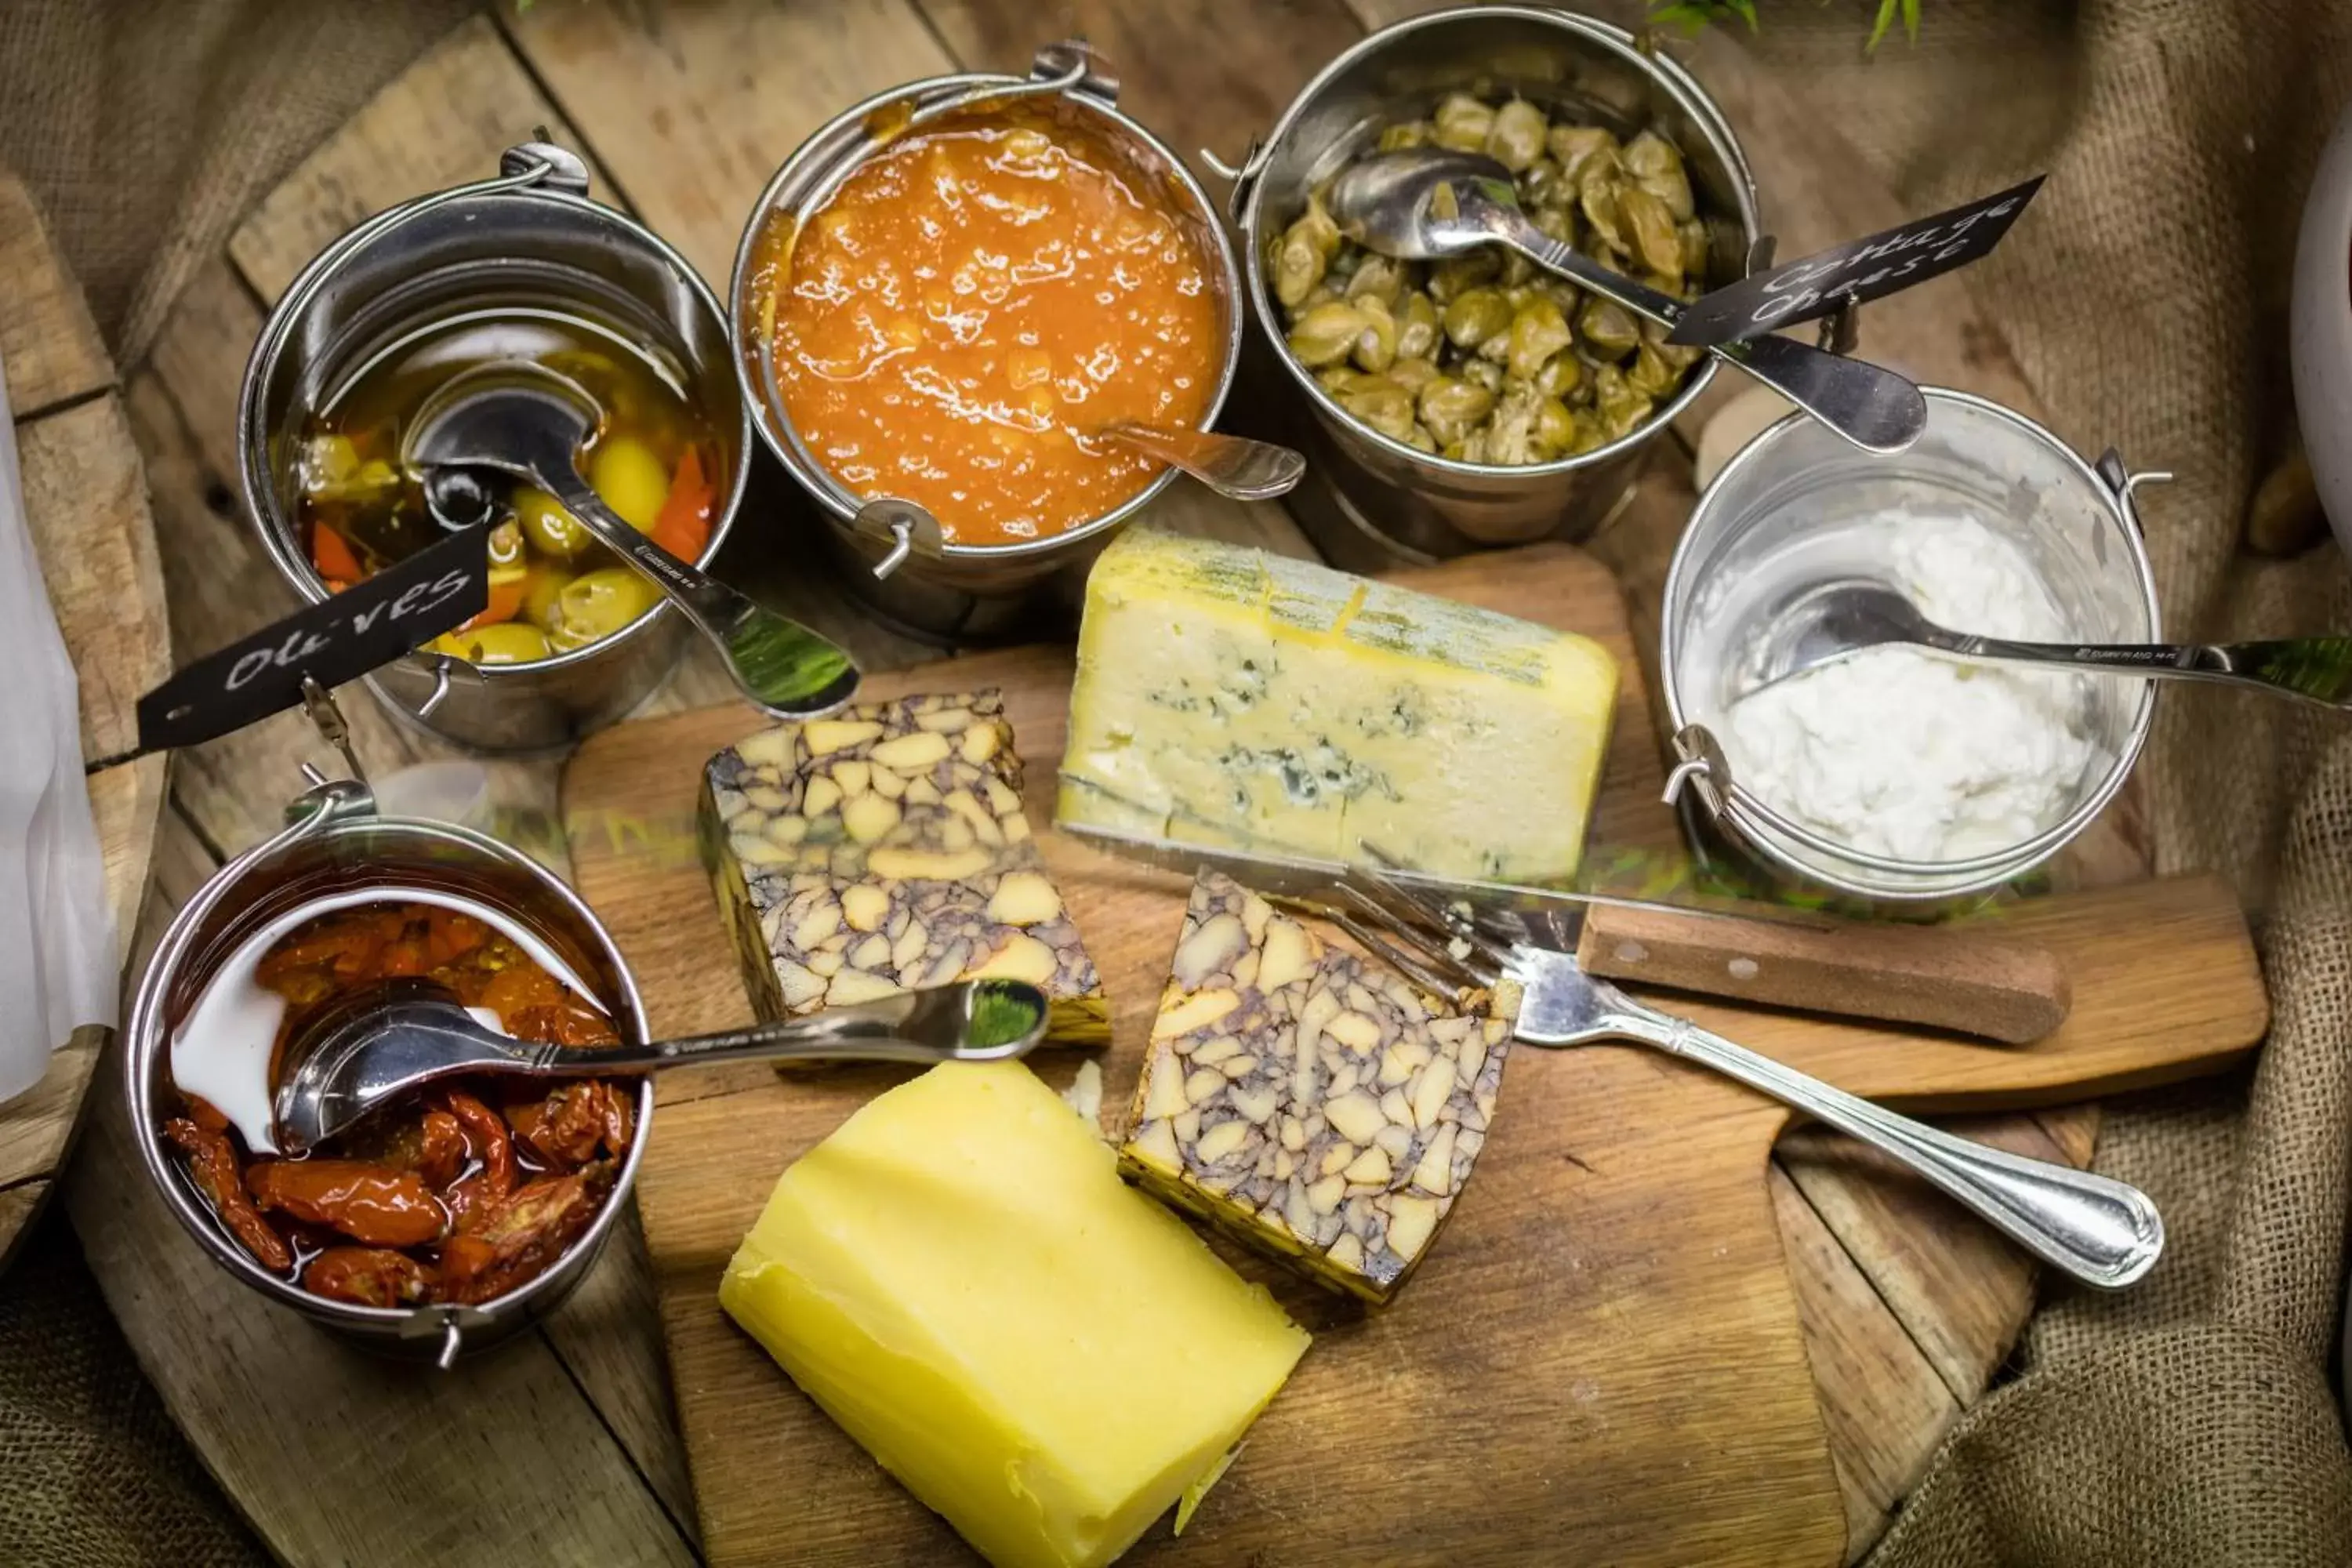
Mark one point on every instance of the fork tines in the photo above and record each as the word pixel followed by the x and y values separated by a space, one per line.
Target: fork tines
pixel 1439 949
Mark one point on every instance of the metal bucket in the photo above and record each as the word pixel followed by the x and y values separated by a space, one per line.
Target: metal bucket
pixel 1742 552
pixel 336 845
pixel 528 239
pixel 943 589
pixel 1373 487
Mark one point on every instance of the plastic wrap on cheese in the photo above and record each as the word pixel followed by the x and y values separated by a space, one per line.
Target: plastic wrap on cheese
pixel 884 849
pixel 1039 1353
pixel 1231 697
pixel 1314 1104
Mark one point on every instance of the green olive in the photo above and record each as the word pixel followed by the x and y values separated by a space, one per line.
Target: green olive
pixel 1620 407
pixel 1297 267
pixel 1596 196
pixel 1538 331
pixel 1412 133
pixel 507 642
pixel 624 471
pixel 1412 372
pixel 597 603
pixel 1515 139
pixel 540 594
pixel 1475 315
pixel 1651 227
pixel 1482 372
pixel 1317 226
pixel 1388 411
pixel 551 530
pixel 1450 408
pixel 1657 168
pixel 1650 374
pixel 1560 376
pixel 1325 334
pixel 1420 440
pixel 1609 329
pixel 1418 327
pixel 1379 277
pixel 1576 147
pixel 506 546
pixel 1462 123
pixel 1456 275
pixel 1555 427
pixel 1375 347
pixel 1697 246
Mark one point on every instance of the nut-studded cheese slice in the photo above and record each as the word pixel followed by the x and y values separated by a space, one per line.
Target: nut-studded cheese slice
pixel 1314 1103
pixel 884 850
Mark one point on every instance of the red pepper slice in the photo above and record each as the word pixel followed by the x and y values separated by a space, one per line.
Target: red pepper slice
pixel 684 526
pixel 334 558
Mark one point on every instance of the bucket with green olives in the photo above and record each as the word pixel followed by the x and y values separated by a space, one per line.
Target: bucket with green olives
pixel 522 266
pixel 1476 401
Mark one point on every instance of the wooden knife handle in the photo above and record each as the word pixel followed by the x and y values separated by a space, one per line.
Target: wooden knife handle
pixel 1947 979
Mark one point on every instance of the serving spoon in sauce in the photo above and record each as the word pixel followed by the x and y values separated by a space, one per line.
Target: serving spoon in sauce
pixel 1834 620
pixel 518 417
pixel 1233 466
pixel 371 1046
pixel 1418 203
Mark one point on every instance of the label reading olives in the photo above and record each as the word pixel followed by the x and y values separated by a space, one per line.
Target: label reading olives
pixel 369 624
pixel 1860 270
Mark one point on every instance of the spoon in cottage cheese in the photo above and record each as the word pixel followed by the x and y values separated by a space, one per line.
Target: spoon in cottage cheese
pixel 1833 621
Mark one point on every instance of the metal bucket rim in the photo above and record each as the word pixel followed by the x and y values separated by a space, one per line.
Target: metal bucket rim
pixel 1743 809
pixel 253 461
pixel 839 502
pixel 1669 72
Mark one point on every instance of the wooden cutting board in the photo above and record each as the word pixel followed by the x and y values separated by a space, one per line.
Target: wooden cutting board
pixel 1600 1360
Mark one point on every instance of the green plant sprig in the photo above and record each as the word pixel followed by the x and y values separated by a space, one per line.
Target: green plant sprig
pixel 1690 15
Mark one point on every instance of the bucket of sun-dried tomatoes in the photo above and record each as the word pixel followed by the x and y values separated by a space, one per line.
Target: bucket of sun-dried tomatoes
pixel 450 1217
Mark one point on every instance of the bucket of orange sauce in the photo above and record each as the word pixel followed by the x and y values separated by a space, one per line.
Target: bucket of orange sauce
pixel 943 294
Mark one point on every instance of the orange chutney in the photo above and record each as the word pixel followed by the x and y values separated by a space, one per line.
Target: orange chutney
pixel 975 301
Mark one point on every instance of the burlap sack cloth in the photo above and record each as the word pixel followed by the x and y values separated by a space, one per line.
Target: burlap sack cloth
pixel 2188 1422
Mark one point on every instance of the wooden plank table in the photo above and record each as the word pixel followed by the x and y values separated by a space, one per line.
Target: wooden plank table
pixel 563 1447
pixel 86 504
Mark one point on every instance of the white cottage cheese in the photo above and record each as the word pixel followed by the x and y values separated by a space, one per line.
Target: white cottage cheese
pixel 1900 754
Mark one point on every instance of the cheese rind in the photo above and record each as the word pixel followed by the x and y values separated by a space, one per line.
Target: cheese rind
pixel 1226 696
pixel 1313 1103
pixel 1034 1349
pixel 884 849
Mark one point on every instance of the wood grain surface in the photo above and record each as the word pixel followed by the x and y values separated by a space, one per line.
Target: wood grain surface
pixel 1609 1307
pixel 1881 1267
pixel 86 506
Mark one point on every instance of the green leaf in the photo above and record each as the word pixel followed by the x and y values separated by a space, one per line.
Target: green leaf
pixel 1885 20
pixel 1911 21
pixel 1747 11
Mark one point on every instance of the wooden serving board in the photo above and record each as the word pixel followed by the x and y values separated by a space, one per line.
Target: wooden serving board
pixel 1601 1360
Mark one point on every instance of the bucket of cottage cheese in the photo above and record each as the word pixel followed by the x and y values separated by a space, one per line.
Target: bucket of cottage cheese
pixel 1895 775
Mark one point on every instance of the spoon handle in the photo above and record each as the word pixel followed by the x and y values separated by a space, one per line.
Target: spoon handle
pixel 1868 405
pixel 951 1023
pixel 2316 669
pixel 782 667
pixel 1233 466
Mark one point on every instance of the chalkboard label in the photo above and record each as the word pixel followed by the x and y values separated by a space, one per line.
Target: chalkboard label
pixel 368 624
pixel 1860 270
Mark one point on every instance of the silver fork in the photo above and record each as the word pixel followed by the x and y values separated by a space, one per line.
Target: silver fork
pixel 2101 1231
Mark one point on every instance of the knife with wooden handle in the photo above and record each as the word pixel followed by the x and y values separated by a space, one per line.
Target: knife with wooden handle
pixel 1955 977
pixel 1945 977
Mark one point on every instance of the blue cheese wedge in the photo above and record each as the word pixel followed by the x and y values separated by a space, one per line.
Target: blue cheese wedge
pixel 1225 695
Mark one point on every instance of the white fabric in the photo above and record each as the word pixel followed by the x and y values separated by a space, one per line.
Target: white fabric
pixel 56 934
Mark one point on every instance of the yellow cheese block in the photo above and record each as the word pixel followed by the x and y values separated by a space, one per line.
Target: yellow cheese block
pixel 1227 696
pixel 1039 1353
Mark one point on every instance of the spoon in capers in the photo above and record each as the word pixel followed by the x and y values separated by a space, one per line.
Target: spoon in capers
pixel 518 417
pixel 1417 204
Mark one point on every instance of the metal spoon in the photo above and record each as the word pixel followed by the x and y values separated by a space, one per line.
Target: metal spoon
pixel 370 1047
pixel 1391 203
pixel 524 419
pixel 1233 466
pixel 1833 620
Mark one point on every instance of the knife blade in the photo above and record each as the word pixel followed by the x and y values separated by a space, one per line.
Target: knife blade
pixel 1945 977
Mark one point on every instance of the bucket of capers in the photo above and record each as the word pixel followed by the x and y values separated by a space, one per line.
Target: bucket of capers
pixel 1477 400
